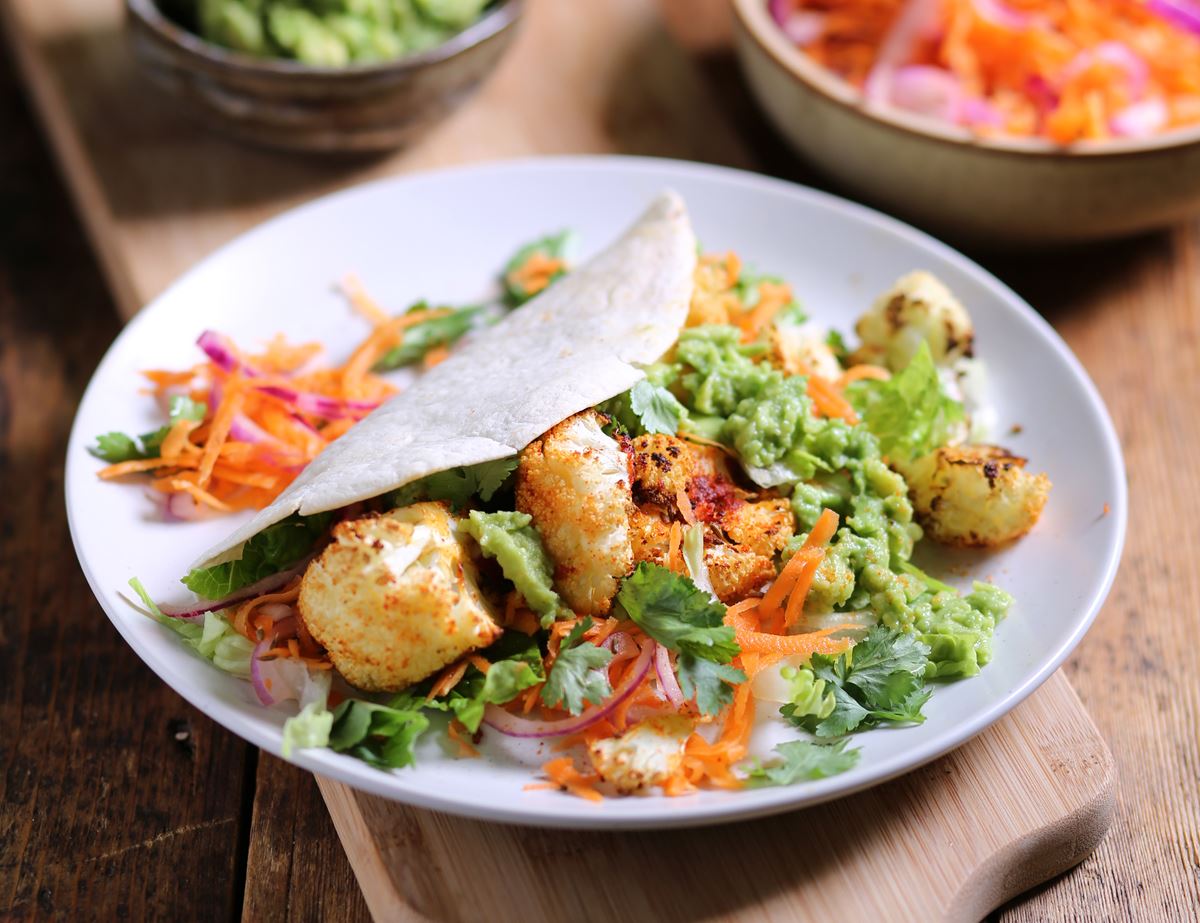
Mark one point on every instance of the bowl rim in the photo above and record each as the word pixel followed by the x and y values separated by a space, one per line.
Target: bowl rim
pixel 493 21
pixel 756 22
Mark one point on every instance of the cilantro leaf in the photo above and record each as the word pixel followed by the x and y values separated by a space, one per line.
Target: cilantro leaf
pixel 673 611
pixel 118 447
pixel 710 684
pixel 881 680
pixel 427 335
pixel 382 735
pixel 457 485
pixel 576 678
pixel 803 760
pixel 646 408
pixel 909 413
pixel 269 552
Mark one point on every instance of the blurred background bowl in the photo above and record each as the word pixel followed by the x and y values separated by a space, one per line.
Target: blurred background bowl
pixel 359 108
pixel 994 191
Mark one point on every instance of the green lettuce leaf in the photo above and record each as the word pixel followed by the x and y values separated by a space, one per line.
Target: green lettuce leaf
pixel 381 735
pixel 214 638
pixel 457 485
pixel 802 760
pixel 310 728
pixel 577 677
pixel 910 414
pixel 673 611
pixel 269 552
pixel 516 666
pixel 420 338
pixel 554 246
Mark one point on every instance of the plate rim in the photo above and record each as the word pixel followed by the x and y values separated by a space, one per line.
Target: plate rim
pixel 381 784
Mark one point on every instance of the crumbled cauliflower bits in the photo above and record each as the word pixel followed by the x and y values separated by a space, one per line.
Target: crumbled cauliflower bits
pixel 647 754
pixel 393 598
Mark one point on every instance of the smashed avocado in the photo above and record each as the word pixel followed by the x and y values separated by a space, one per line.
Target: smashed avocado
pixel 512 540
pixel 326 33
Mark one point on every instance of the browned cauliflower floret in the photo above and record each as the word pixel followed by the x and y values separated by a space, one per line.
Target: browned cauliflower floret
pixel 650 534
pixel 763 527
pixel 918 308
pixel 393 598
pixel 647 754
pixel 662 466
pixel 574 481
pixel 801 351
pixel 976 496
pixel 736 574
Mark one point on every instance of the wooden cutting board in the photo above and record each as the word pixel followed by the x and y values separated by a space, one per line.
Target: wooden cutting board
pixel 1024 801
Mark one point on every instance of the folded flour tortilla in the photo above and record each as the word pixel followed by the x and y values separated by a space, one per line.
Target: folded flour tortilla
pixel 578 343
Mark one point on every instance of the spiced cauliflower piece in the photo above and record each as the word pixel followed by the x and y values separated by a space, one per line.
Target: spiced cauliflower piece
pixel 918 308
pixel 975 495
pixel 763 526
pixel 662 467
pixel 736 573
pixel 574 481
pixel 650 535
pixel 801 350
pixel 647 754
pixel 393 598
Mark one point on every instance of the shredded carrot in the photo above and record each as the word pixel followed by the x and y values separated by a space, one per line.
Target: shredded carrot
pixel 861 371
pixel 134 466
pixel 182 485
pixel 685 507
pixel 219 429
pixel 562 773
pixel 828 401
pixel 436 356
pixel 447 680
pixel 772 298
pixel 1066 70
pixel 536 272
pixel 479 663
pixel 675 561
pixel 465 748
pixel 813 642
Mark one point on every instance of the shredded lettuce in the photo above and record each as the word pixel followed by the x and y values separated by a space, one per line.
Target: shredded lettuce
pixel 554 246
pixel 309 728
pixel 910 413
pixel 267 553
pixel 457 485
pixel 118 447
pixel 214 638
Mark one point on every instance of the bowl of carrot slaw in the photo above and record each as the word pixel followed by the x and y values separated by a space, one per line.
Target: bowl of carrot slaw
pixel 998 121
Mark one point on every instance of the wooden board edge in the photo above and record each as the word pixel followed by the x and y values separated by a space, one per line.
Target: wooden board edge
pixel 1052 850
pixel 53 112
pixel 376 882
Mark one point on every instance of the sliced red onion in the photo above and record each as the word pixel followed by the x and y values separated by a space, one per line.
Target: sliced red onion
pixel 192 612
pixel 803 27
pixel 1182 13
pixel 504 722
pixel 1119 55
pixel 1001 14
pixel 916 20
pixel 183 506
pixel 666 677
pixel 979 112
pixel 319 405
pixel 220 349
pixel 257 680
pixel 1141 119
pixel 928 91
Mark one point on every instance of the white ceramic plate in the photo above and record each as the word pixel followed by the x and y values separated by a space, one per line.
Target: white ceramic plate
pixel 444 235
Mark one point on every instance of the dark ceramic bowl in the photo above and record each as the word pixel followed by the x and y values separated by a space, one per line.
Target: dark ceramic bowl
pixel 285 104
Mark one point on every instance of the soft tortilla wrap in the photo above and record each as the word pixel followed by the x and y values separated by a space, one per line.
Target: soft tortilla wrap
pixel 578 343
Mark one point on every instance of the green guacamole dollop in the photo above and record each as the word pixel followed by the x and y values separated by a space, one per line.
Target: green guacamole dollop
pixel 514 543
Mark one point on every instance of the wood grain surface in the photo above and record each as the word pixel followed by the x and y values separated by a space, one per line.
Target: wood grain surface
pixel 96 752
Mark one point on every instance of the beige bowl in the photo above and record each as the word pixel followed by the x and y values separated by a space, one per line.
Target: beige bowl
pixel 285 104
pixel 1008 191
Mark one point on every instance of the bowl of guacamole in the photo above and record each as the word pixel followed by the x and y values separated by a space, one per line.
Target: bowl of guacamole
pixel 321 76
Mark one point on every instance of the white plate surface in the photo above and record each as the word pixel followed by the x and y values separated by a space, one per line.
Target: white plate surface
pixel 443 236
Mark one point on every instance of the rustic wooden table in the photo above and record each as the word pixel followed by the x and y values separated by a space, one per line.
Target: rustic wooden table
pixel 119 800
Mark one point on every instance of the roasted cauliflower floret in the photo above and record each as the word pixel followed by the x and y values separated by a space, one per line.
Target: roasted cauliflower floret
pixel 918 308
pixel 574 481
pixel 735 574
pixel 647 754
pixel 801 350
pixel 763 527
pixel 662 466
pixel 975 495
pixel 650 535
pixel 393 598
